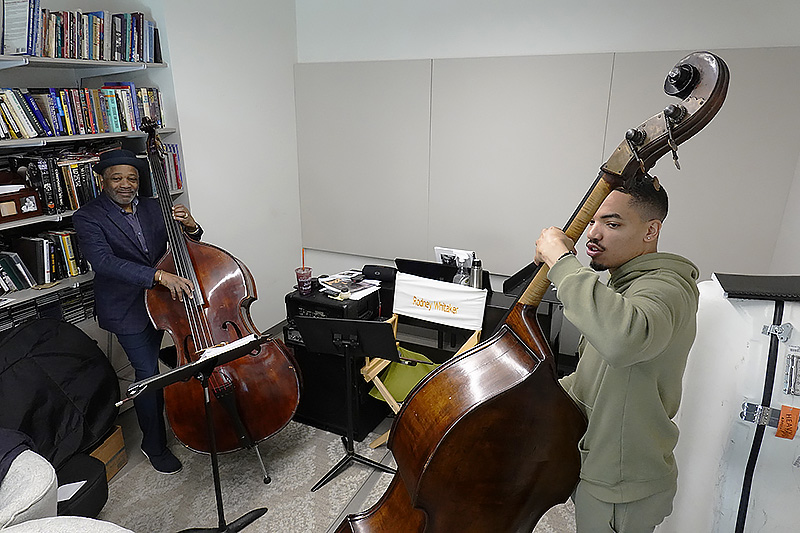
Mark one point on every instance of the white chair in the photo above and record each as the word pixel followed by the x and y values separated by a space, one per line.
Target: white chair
pixel 28 491
pixel 28 501
pixel 432 301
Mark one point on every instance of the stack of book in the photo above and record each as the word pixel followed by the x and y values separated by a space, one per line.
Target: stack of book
pixel 52 112
pixel 45 258
pixel 64 182
pixel 350 283
pixel 30 29
pixel 173 167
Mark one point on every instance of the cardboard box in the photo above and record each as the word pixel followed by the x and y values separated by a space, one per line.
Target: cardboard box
pixel 112 452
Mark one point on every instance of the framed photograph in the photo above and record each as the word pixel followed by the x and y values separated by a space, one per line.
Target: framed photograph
pixel 447 256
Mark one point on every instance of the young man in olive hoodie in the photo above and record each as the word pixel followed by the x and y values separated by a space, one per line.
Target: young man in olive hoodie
pixel 636 335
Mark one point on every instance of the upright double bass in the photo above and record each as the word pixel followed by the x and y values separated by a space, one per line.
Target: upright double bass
pixel 254 396
pixel 489 441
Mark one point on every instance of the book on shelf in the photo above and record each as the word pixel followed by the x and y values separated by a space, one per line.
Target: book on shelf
pixel 27 112
pixel 132 105
pixel 75 34
pixel 63 182
pixel 8 282
pixel 66 246
pixel 127 28
pixel 9 122
pixel 43 100
pixel 50 112
pixel 35 254
pixel 99 111
pixel 58 259
pixel 101 40
pixel 64 108
pixel 109 96
pixel 17 114
pixel 39 115
pixel 17 270
pixel 81 182
pixel 173 168
pixel 75 102
pixel 16 26
pixel 4 286
pixel 69 246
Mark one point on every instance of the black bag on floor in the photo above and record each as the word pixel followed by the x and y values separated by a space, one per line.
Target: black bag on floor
pixel 58 387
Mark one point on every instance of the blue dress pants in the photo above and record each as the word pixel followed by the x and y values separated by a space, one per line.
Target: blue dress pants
pixel 142 350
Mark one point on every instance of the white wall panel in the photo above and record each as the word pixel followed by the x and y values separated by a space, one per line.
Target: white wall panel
pixel 516 142
pixel 363 135
pixel 728 200
pixel 515 145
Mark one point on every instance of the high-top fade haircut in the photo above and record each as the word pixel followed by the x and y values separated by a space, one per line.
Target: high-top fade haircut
pixel 648 197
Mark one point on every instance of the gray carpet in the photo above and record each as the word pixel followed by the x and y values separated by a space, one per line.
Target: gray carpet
pixel 296 458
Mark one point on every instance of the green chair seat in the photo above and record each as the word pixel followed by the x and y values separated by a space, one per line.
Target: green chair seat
pixel 400 378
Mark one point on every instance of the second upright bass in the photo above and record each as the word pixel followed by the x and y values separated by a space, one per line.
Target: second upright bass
pixel 488 442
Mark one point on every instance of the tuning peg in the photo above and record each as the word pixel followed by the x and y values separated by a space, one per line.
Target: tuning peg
pixel 681 80
pixel 636 136
pixel 675 112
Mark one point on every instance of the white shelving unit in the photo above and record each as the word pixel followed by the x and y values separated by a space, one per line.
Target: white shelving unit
pixel 28 71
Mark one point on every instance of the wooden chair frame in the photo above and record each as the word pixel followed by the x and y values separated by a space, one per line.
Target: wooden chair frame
pixel 373 366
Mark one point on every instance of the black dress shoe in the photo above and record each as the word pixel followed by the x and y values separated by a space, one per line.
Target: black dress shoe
pixel 165 462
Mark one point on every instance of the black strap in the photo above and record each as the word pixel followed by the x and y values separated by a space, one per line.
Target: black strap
pixel 766 400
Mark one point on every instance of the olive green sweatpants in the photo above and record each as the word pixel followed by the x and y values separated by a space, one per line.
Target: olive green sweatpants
pixel 641 516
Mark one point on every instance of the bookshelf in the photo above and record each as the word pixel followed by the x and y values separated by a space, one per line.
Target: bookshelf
pixel 32 71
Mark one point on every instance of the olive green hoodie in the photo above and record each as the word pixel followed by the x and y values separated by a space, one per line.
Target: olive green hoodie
pixel 637 332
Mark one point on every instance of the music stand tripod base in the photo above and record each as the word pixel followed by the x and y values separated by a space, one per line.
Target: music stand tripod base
pixel 349 338
pixel 202 370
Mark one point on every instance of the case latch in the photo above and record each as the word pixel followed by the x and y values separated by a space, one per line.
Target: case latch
pixel 783 332
pixel 760 415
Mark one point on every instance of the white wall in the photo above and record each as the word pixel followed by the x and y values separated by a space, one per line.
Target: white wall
pixel 366 30
pixel 362 30
pixel 232 70
pixel 231 67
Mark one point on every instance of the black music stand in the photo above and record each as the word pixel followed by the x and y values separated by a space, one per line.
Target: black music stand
pixel 351 339
pixel 202 369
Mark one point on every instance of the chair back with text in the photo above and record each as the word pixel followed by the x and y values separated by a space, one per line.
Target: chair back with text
pixel 428 300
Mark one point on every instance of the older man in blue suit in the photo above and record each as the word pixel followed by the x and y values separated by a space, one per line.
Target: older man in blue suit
pixel 123 236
